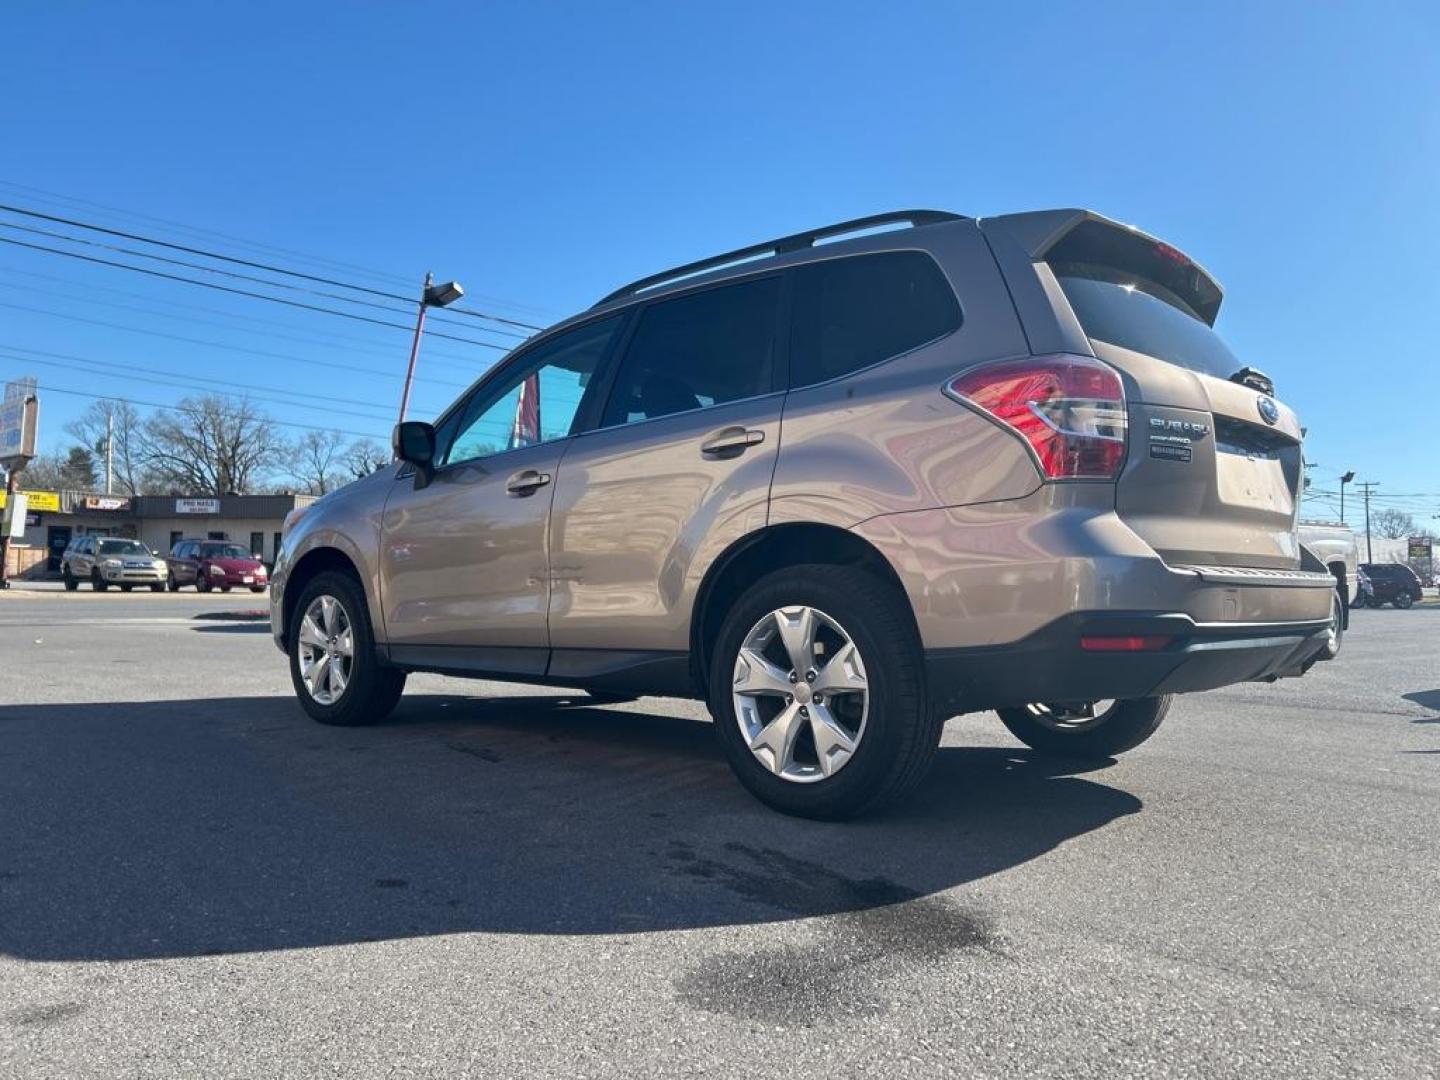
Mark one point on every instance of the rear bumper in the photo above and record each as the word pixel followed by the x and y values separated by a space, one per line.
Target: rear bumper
pixel 1051 665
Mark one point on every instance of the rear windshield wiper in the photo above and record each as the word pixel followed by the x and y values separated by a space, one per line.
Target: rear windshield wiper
pixel 1255 379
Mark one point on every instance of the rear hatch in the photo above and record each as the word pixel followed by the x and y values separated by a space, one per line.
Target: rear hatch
pixel 1213 470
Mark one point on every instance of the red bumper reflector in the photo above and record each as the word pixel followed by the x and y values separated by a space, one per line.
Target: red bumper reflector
pixel 1147 643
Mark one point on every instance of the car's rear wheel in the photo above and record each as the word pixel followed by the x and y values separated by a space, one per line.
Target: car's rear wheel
pixel 157 587
pixel 818 693
pixel 70 583
pixel 202 583
pixel 98 583
pixel 224 588
pixel 1404 600
pixel 257 588
pixel 334 665
pixel 1086 729
pixel 1335 635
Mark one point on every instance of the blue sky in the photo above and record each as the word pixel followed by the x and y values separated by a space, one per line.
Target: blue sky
pixel 544 153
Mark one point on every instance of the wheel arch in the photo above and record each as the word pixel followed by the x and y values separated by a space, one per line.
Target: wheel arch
pixel 762 551
pixel 309 566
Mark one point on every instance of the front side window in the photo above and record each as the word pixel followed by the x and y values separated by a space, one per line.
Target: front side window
pixel 857 311
pixel 535 403
pixel 699 350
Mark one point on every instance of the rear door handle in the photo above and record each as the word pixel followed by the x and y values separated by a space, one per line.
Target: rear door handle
pixel 730 441
pixel 526 482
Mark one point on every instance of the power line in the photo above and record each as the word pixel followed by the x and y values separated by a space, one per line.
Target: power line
pixel 244 292
pixel 183 381
pixel 49 389
pixel 351 368
pixel 270 268
pixel 326 339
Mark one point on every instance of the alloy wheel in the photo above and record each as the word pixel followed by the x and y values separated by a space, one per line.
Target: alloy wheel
pixel 1072 715
pixel 327 649
pixel 801 694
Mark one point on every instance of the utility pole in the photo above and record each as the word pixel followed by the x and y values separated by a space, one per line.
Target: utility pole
pixel 1366 488
pixel 110 450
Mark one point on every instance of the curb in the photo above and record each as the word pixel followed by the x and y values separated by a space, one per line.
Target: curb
pixel 233 616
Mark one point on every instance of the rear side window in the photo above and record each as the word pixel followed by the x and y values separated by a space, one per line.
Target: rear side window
pixel 857 311
pixel 699 350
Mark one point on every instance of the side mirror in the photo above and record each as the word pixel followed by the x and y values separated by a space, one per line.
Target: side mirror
pixel 414 442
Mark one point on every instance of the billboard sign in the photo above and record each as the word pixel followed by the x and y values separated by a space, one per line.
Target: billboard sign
pixel 19 419
pixel 197 506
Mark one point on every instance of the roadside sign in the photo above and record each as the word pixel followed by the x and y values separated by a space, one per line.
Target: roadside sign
pixel 19 421
pixel 13 523
pixel 1421 547
pixel 40 502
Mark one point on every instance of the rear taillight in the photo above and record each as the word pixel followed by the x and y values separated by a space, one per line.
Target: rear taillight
pixel 1070 409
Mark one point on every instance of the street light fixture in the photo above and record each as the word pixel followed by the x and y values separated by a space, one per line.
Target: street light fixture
pixel 431 295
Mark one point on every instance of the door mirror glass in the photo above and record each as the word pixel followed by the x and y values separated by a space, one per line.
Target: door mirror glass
pixel 414 442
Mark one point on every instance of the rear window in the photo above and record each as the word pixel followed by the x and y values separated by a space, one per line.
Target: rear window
pixel 857 311
pixel 1126 310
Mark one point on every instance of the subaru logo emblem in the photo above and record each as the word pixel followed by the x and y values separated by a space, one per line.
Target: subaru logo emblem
pixel 1269 411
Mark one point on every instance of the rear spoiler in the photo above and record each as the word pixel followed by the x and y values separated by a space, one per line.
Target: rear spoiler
pixel 1083 236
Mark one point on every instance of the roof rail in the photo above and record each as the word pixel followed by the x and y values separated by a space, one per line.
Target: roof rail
pixel 795 242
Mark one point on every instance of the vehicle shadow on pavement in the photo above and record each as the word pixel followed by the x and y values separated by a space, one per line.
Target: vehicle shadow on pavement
pixel 1426 699
pixel 184 828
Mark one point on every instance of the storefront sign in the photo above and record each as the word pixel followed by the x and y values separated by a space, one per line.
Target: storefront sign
pixel 31 519
pixel 197 506
pixel 40 502
pixel 106 502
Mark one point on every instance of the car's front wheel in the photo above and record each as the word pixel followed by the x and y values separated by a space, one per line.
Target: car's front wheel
pixel 818 693
pixel 1404 600
pixel 334 665
pixel 171 583
pixel 1086 729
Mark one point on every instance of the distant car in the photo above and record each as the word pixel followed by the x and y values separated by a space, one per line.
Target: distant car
pixel 104 561
pixel 214 564
pixel 1391 583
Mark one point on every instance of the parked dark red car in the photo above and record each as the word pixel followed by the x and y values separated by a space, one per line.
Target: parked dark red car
pixel 214 564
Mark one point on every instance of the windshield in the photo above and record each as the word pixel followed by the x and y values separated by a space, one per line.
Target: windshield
pixel 224 551
pixel 1129 311
pixel 123 547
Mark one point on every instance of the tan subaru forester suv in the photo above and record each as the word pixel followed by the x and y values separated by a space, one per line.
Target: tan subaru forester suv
pixel 842 485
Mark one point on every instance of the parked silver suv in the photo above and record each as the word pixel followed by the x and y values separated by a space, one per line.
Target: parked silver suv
pixel 842 491
pixel 105 560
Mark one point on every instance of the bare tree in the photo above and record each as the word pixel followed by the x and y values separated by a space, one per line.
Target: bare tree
pixel 316 460
pixel 211 445
pixel 126 434
pixel 1392 524
pixel 364 457
pixel 44 472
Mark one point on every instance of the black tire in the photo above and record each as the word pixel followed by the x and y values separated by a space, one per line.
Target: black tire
pixel 70 583
pixel 901 732
pixel 224 588
pixel 171 583
pixel 1125 726
pixel 202 583
pixel 373 689
pixel 157 587
pixel 257 588
pixel 126 588
pixel 98 583
pixel 1404 600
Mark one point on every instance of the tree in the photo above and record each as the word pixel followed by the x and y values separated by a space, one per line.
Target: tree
pixel 125 429
pixel 78 471
pixel 316 460
pixel 1392 524
pixel 43 473
pixel 364 457
pixel 210 445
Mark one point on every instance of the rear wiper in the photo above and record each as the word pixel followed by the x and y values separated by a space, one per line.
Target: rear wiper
pixel 1255 379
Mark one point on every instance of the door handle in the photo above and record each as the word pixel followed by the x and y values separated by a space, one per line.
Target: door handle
pixel 730 441
pixel 526 482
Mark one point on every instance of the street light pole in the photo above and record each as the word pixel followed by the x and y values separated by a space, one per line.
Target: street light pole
pixel 415 345
pixel 1344 479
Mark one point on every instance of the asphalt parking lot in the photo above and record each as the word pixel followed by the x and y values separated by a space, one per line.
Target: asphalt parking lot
pixel 502 881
